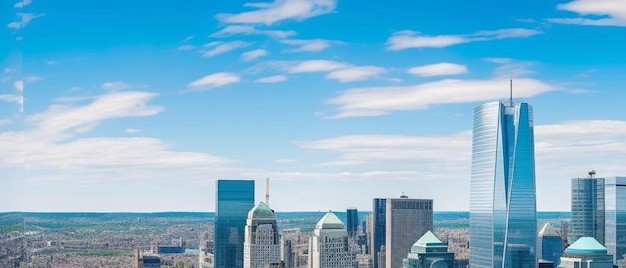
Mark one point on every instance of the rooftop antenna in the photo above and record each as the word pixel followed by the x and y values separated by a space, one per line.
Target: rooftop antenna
pixel 267 191
pixel 511 92
pixel 592 173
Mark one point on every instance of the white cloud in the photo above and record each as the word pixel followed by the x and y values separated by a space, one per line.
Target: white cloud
pixel 185 47
pixel 9 70
pixel 25 19
pixel 215 80
pixel 217 48
pixel 311 45
pixel 611 12
pixel 251 30
pixel 51 62
pixel 376 101
pixel 22 3
pixel 5 121
pixel 19 85
pixel 32 79
pixel 271 79
pixel 356 73
pixel 442 68
pixel 311 66
pixel 132 130
pixel 410 39
pixel 12 98
pixel 253 54
pixel 279 10
pixel 63 121
pixel 188 38
pixel 114 86
pixel 285 160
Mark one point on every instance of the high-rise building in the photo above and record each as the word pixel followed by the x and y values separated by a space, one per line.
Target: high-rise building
pixel 378 229
pixel 262 243
pixel 587 209
pixel 407 220
pixel 615 219
pixel 503 217
pixel 550 244
pixel 328 246
pixel 352 221
pixel 586 252
pixel 429 251
pixel 234 199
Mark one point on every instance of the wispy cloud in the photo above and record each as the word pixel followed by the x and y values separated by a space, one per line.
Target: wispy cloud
pixel 114 86
pixel 186 47
pixel 5 121
pixel 594 13
pixel 280 10
pixel 285 160
pixel 312 66
pixel 271 79
pixel 410 39
pixel 442 68
pixel 214 80
pixel 132 130
pixel 376 101
pixel 310 45
pixel 253 54
pixel 25 19
pixel 218 47
pixel 356 73
pixel 22 3
pixel 32 79
pixel 19 85
pixel 251 30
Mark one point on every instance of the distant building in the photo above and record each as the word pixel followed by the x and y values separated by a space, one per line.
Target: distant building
pixel 287 255
pixel 406 221
pixel 234 199
pixel 262 243
pixel 328 246
pixel 587 209
pixel 550 244
pixel 352 221
pixel 146 261
pixel 503 217
pixel 586 252
pixel 378 230
pixel 429 251
pixel 615 217
pixel 364 261
pixel 565 231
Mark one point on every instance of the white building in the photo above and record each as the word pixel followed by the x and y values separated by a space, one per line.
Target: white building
pixel 262 244
pixel 328 246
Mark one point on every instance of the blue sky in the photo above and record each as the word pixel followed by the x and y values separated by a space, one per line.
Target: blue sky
pixel 141 105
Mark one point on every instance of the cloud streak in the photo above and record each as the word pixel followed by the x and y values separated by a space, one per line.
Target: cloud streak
pixel 280 10
pixel 611 13
pixel 409 39
pixel 442 68
pixel 214 80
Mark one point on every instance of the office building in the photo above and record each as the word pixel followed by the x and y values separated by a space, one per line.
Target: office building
pixel 352 221
pixel 262 243
pixel 429 251
pixel 503 221
pixel 234 199
pixel 378 229
pixel 328 246
pixel 406 221
pixel 550 244
pixel 586 252
pixel 587 208
pixel 615 217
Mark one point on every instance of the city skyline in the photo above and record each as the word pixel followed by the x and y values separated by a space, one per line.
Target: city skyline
pixel 105 105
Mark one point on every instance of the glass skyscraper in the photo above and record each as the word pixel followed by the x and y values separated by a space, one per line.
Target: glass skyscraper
pixel 503 221
pixel 379 227
pixel 615 234
pixel 234 199
pixel 587 209
pixel 352 221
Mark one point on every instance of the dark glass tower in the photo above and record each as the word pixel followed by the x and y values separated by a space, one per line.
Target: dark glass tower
pixel 615 235
pixel 234 198
pixel 503 221
pixel 379 228
pixel 352 220
pixel 587 209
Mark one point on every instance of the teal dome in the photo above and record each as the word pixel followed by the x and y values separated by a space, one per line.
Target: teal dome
pixel 330 221
pixel 261 210
pixel 586 245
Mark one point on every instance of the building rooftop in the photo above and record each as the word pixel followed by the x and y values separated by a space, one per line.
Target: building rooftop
pixel 330 221
pixel 586 245
pixel 261 210
pixel 548 230
pixel 428 239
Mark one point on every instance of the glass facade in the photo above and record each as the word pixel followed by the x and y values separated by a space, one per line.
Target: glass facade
pixel 234 198
pixel 503 222
pixel 587 209
pixel 352 221
pixel 379 227
pixel 615 236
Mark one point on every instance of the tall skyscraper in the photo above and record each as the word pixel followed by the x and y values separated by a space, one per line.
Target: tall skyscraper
pixel 234 199
pixel 503 221
pixel 352 221
pixel 587 208
pixel 550 244
pixel 262 243
pixel 407 220
pixel 378 229
pixel 615 201
pixel 328 246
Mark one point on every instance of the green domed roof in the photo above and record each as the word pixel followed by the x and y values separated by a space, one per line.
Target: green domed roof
pixel 261 210
pixel 330 221
pixel 586 245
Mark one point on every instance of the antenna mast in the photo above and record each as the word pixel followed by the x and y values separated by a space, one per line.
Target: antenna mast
pixel 267 191
pixel 511 92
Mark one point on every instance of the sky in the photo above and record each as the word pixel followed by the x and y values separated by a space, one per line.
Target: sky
pixel 141 105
